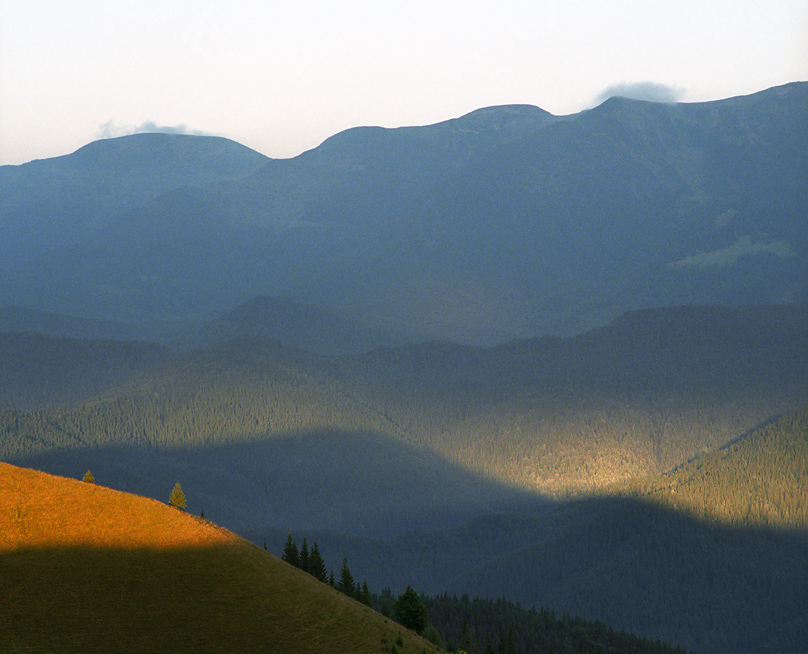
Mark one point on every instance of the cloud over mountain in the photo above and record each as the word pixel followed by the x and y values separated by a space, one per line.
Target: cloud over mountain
pixel 111 130
pixel 651 91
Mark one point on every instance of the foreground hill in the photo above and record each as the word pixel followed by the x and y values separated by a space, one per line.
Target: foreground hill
pixel 507 222
pixel 88 569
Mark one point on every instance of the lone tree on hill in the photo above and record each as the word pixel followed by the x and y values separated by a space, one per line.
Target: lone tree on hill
pixel 177 497
pixel 88 477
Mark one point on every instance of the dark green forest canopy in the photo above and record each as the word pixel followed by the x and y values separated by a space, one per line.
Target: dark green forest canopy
pixel 635 398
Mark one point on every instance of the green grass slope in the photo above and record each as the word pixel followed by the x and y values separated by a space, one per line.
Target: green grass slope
pixel 88 569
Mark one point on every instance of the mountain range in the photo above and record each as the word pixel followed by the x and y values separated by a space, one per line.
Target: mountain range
pixel 507 222
pixel 561 360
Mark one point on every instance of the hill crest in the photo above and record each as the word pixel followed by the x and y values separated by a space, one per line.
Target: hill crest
pixel 114 572
pixel 44 510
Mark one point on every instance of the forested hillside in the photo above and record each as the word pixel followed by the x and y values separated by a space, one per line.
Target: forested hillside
pixel 38 371
pixel 631 560
pixel 635 398
pixel 760 480
pixel 483 626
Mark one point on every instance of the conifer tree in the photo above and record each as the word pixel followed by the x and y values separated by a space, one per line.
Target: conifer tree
pixel 177 497
pixel 410 611
pixel 88 477
pixel 290 553
pixel 317 565
pixel 346 581
pixel 364 595
pixel 466 638
pixel 304 556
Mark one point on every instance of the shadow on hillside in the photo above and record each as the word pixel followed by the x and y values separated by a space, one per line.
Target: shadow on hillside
pixel 402 516
pixel 630 564
pixel 232 598
pixel 359 484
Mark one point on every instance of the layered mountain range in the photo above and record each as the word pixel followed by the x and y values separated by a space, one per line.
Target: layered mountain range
pixel 507 222
pixel 559 359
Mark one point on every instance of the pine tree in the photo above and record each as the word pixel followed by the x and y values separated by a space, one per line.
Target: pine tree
pixel 511 649
pixel 316 564
pixel 88 477
pixel 467 642
pixel 304 556
pixel 290 553
pixel 346 581
pixel 177 497
pixel 410 611
pixel 363 594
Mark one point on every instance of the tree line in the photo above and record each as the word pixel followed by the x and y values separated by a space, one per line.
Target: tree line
pixel 477 626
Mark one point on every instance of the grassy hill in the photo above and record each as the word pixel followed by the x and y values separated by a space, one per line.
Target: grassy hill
pixel 88 569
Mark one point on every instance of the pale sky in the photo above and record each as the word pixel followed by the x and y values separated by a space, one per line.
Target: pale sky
pixel 282 76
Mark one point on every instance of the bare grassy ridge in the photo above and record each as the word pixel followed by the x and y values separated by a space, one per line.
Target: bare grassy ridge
pixel 86 568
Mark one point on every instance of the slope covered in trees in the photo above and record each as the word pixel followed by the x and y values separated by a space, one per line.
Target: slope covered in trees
pixel 687 575
pixel 486 626
pixel 635 398
pixel 760 480
pixel 397 459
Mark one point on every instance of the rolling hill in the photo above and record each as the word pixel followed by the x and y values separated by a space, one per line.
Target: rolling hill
pixel 89 569
pixel 504 223
pixel 558 359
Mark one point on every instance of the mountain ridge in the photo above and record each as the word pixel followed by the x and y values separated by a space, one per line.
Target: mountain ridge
pixel 623 206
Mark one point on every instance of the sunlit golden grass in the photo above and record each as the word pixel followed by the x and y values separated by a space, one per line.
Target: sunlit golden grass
pixel 85 568
pixel 38 510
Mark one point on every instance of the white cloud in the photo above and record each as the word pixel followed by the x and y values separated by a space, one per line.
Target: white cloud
pixel 650 91
pixel 111 130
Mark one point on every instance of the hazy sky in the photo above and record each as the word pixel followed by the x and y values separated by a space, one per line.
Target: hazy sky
pixel 282 76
